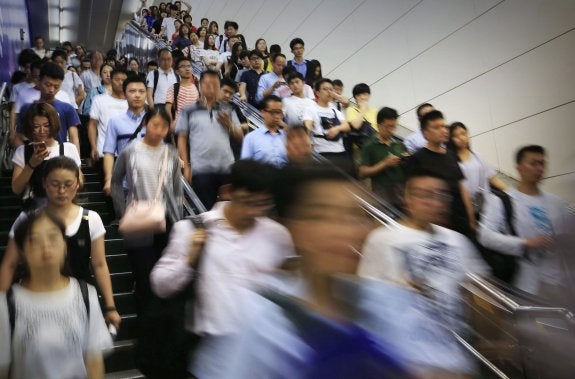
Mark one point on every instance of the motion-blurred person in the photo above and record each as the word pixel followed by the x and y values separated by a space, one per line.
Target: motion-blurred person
pixel 362 117
pixel 267 144
pixel 479 176
pixel 298 145
pixel 538 218
pixel 418 254
pixel 381 159
pixel 40 48
pixel 207 126
pixel 435 158
pixel 303 328
pixel 296 105
pixel 416 140
pixel 72 83
pixel 235 250
pixel 84 234
pixel 341 102
pixel 91 77
pixel 51 325
pixel 227 90
pixel 159 80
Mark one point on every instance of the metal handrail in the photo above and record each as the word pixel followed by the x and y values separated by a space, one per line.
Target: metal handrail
pixel 3 91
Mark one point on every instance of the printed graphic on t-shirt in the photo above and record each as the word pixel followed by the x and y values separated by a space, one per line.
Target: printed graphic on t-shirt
pixel 328 123
pixel 541 220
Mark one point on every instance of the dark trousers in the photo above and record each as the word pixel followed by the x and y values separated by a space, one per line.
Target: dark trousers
pixel 343 161
pixel 207 186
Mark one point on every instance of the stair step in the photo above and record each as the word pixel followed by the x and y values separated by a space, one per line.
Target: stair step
pixel 118 263
pixel 128 328
pixel 125 303
pixel 122 281
pixel 114 246
pixel 122 357
pixel 127 374
pixel 92 186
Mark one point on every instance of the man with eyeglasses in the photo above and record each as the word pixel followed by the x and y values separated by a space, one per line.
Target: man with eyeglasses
pixel 419 254
pixel 268 144
pixel 231 252
pixel 159 80
pixel 435 158
pixel 249 79
pixel 184 93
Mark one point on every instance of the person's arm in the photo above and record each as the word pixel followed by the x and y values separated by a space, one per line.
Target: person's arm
pixel 344 101
pixel 102 275
pixel 356 116
pixel 93 138
pixel 9 264
pixel 341 128
pixel 174 270
pixel 390 161
pixel 73 135
pixel 242 90
pixel 150 97
pixel 21 174
pixel 247 151
pixel 94 365
pixel 184 156
pixel 118 174
pixel 468 206
pixel 108 166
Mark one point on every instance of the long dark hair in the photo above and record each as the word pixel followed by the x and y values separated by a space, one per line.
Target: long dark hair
pixel 452 128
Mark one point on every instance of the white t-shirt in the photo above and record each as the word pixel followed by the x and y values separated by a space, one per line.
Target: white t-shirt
pixel 69 150
pixel 90 79
pixel 295 107
pixel 165 80
pixel 31 94
pixel 224 57
pixel 52 333
pixel 95 224
pixel 70 85
pixel 211 56
pixel 168 23
pixel 477 174
pixel 323 119
pixel 104 107
pixel 19 88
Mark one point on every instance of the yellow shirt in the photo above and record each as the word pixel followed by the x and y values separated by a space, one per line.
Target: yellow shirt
pixel 352 112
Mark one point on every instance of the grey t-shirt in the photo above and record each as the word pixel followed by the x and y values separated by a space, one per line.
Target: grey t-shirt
pixel 209 141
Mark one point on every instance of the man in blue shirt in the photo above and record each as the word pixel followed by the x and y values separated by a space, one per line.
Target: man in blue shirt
pixel 303 66
pixel 273 83
pixel 267 144
pixel 122 126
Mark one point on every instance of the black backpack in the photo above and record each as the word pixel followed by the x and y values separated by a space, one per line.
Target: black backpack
pixel 504 267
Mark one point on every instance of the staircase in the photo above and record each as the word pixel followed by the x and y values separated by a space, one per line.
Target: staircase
pixel 120 363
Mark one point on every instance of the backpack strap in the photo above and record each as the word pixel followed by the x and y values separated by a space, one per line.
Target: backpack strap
pixel 11 310
pixel 176 93
pixel 507 209
pixel 135 134
pixel 85 298
pixel 156 78
pixel 61 148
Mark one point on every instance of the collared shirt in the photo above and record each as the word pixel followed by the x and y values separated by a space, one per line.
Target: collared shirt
pixel 264 146
pixel 165 80
pixel 268 80
pixel 120 128
pixel 300 67
pixel 232 264
pixel 415 141
pixel 210 150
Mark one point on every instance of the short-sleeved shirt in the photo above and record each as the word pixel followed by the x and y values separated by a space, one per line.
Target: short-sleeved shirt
pixel 375 151
pixel 120 129
pixel 210 150
pixel 66 113
pixel 251 78
pixel 370 115
pixel 165 80
pixel 168 23
pixel 31 94
pixel 324 118
pixel 18 88
pixel 187 95
pixel 103 108
pixel 70 151
pixel 294 109
pixel 91 80
pixel 70 85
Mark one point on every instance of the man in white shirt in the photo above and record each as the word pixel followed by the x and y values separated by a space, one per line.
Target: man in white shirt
pixel 223 58
pixel 233 255
pixel 327 125
pixel 105 107
pixel 296 105
pixel 416 140
pixel 158 81
pixel 168 25
pixel 230 29
pixel 538 219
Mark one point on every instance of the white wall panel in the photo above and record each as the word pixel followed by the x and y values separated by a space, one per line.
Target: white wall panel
pixel 562 186
pixel 492 64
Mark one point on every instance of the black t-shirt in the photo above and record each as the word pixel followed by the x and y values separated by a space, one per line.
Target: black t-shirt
pixel 251 78
pixel 445 166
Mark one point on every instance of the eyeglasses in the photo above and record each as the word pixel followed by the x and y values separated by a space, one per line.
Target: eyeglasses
pixel 58 186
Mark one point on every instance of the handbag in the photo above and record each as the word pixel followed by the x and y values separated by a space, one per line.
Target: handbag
pixel 144 217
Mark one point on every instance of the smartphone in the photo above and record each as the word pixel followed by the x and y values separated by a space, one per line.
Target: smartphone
pixel 39 146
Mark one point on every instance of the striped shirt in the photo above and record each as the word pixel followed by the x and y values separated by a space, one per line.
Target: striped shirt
pixel 187 95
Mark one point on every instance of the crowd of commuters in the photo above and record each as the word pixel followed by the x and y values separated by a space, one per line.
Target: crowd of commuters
pixel 278 262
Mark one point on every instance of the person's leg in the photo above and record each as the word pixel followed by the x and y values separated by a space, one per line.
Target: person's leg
pixel 206 188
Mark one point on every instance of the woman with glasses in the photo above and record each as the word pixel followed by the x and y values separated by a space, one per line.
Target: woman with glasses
pixel 84 233
pixel 41 126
